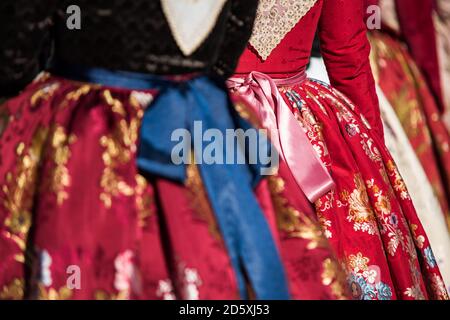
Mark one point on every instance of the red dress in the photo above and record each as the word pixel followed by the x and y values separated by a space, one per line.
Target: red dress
pixel 78 219
pixel 368 217
pixel 409 78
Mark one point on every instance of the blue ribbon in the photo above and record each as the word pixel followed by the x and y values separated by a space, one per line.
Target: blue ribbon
pixel 245 231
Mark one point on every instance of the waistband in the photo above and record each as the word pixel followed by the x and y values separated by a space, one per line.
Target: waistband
pixel 291 79
pixel 297 79
pixel 116 78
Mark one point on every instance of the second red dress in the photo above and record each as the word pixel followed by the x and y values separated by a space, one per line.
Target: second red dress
pixel 368 217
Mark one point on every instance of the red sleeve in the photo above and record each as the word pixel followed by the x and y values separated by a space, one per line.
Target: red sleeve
pixel 416 23
pixel 346 49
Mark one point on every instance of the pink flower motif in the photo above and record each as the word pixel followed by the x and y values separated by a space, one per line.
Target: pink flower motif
pixel 373 274
pixel 124 271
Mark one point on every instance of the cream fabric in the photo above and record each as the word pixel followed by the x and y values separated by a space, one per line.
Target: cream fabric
pixel 191 21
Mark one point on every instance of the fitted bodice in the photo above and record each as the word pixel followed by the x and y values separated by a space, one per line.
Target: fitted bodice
pixel 292 54
pixel 283 37
pixel 115 34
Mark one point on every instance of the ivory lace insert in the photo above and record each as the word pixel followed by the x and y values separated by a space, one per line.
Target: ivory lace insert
pixel 191 21
pixel 275 18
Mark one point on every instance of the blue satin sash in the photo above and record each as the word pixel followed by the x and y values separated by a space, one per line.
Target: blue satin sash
pixel 229 187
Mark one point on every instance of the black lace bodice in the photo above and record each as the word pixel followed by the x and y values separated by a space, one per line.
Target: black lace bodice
pixel 130 35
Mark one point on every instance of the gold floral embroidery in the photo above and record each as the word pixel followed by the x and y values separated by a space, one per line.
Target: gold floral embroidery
pixel 390 222
pixel 119 147
pixel 399 184
pixel 60 151
pixel 63 293
pixel 334 277
pixel 45 93
pixel 20 185
pixel 295 223
pixel 116 105
pixel 81 91
pixel 358 262
pixel 326 224
pixel 144 201
pixel 415 292
pixel 103 295
pixel 418 239
pixel 20 242
pixel 388 219
pixel 370 148
pixel 314 132
pixel 112 185
pixel 438 287
pixel 200 201
pixel 360 211
pixel 383 204
pixel 13 291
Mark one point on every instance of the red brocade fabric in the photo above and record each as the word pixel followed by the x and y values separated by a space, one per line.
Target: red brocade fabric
pixel 344 46
pixel 368 217
pixel 78 221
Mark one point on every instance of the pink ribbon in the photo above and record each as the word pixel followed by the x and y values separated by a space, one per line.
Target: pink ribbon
pixel 262 94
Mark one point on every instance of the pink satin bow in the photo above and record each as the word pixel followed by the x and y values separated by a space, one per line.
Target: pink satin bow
pixel 262 94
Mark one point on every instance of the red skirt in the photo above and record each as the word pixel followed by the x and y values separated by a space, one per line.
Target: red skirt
pixel 78 221
pixel 368 217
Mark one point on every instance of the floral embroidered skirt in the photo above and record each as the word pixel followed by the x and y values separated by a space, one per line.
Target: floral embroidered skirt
pixel 79 221
pixel 369 217
pixel 405 88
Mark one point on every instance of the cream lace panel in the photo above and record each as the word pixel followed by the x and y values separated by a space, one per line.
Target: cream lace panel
pixel 275 18
pixel 191 21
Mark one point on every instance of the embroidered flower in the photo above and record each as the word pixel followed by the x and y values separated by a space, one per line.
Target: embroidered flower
pixel 318 150
pixel 192 282
pixel 124 271
pixel 367 285
pixel 368 292
pixel 371 275
pixel 361 289
pixel 165 290
pixel 360 210
pixel 383 205
pixel 384 291
pixel 438 287
pixel 415 293
pixel 358 263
